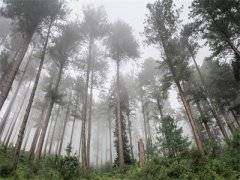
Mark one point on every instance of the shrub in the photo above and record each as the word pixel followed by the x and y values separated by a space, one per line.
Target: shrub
pixel 6 170
pixel 69 167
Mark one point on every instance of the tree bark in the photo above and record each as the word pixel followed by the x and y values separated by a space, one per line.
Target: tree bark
pixel 144 124
pixel 27 113
pixel 8 111
pixel 90 121
pixel 160 108
pixel 235 118
pixel 48 136
pixel 205 123
pixel 54 129
pixel 26 140
pixel 84 114
pixel 64 127
pixel 208 99
pixel 229 123
pixel 15 118
pixel 110 140
pixel 36 135
pixel 72 131
pixel 119 123
pixel 130 134
pixel 7 80
pixel 48 115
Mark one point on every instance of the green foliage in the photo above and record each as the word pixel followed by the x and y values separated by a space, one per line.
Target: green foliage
pixel 5 170
pixel 68 167
pixel 170 137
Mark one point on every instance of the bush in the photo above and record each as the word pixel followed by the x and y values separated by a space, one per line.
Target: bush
pixel 5 170
pixel 69 167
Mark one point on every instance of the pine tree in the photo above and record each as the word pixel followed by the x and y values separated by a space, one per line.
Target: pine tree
pixel 171 138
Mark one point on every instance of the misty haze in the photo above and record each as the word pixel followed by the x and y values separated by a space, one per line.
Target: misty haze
pixel 119 89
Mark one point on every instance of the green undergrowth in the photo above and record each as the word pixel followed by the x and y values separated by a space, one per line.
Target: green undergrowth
pixel 191 165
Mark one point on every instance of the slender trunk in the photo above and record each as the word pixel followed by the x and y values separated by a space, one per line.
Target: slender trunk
pixel 228 121
pixel 110 140
pixel 209 100
pixel 27 113
pixel 130 134
pixel 74 121
pixel 26 140
pixel 9 108
pixel 186 104
pixel 64 128
pixel 15 118
pixel 36 135
pixel 8 131
pixel 191 118
pixel 144 124
pixel 7 80
pixel 80 148
pixel 48 115
pixel 205 122
pixel 84 114
pixel 90 121
pixel 54 129
pixel 97 150
pixel 48 136
pixel 149 130
pixel 235 118
pixel 57 147
pixel 72 131
pixel 160 108
pixel 34 142
pixel 119 123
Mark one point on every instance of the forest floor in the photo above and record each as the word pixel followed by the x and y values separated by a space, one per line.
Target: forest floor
pixel 191 165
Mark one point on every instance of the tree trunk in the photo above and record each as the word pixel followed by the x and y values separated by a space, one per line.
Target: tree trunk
pixel 130 134
pixel 119 123
pixel 72 131
pixel 228 121
pixel 235 118
pixel 9 108
pixel 48 136
pixel 27 113
pixel 205 123
pixel 36 135
pixel 34 142
pixel 90 121
pixel 144 124
pixel 191 118
pixel 160 108
pixel 141 151
pixel 48 115
pixel 15 118
pixel 186 104
pixel 8 131
pixel 54 129
pixel 64 127
pixel 110 140
pixel 207 94
pixel 84 114
pixel 7 80
pixel 97 149
pixel 26 140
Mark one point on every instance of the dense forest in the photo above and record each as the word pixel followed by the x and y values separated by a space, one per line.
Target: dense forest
pixel 79 100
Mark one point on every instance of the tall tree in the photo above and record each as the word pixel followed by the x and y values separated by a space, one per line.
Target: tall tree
pixel 122 46
pixel 94 27
pixel 161 28
pixel 65 46
pixel 28 16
